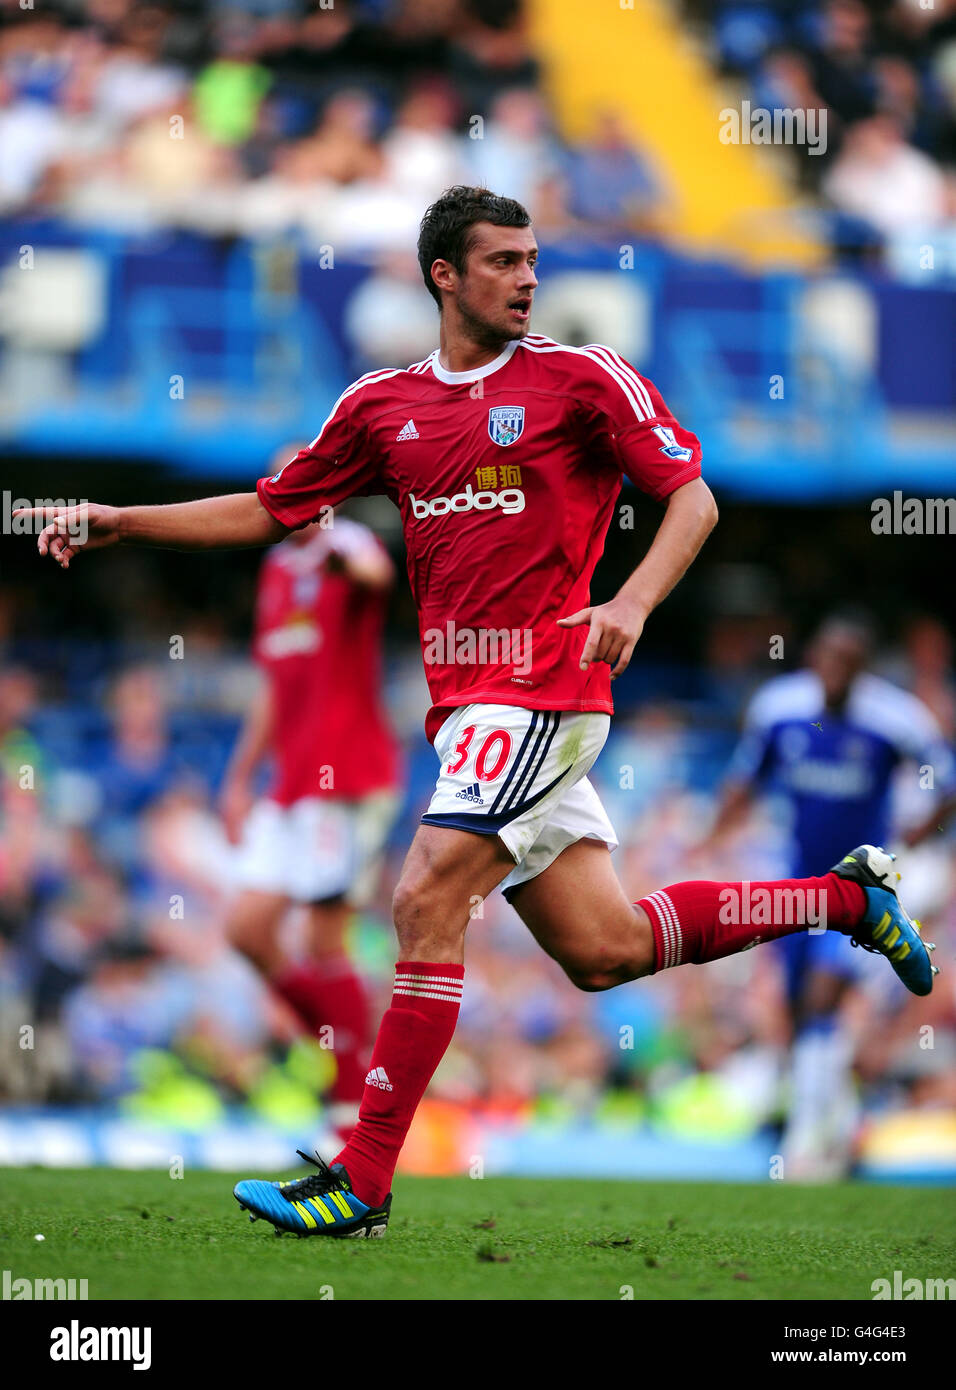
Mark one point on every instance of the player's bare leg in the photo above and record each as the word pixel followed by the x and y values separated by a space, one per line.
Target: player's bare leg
pixel 326 928
pixel 579 913
pixel 446 872
pixel 252 927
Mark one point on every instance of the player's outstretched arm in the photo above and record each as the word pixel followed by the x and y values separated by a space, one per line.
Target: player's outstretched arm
pixel 615 627
pixel 236 520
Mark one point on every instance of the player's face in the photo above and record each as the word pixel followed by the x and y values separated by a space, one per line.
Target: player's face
pixel 838 658
pixel 495 294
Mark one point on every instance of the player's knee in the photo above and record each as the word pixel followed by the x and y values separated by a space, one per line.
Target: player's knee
pixel 406 905
pixel 424 925
pixel 425 920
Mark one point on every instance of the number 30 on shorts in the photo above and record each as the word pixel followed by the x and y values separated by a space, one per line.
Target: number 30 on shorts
pixel 491 757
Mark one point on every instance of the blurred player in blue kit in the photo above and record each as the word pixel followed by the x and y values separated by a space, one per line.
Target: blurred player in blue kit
pixel 828 740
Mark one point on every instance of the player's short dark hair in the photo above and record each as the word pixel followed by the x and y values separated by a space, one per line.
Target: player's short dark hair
pixel 852 619
pixel 446 227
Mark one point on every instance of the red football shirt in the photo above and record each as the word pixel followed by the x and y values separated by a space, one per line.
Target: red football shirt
pixel 506 478
pixel 318 637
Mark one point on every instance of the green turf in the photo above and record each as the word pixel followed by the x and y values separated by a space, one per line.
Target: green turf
pixel 145 1235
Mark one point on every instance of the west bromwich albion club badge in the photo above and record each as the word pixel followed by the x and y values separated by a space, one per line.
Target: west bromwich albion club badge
pixel 505 423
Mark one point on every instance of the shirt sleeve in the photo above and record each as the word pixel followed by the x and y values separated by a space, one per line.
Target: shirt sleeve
pixel 338 464
pixel 628 423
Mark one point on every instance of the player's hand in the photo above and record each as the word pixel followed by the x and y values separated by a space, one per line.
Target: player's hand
pixel 613 632
pixel 65 531
pixel 235 803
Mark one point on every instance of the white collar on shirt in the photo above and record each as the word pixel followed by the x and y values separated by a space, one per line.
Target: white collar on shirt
pixel 476 373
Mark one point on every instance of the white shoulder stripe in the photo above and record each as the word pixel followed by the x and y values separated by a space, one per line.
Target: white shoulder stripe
pixel 423 365
pixel 381 375
pixel 633 388
pixel 626 371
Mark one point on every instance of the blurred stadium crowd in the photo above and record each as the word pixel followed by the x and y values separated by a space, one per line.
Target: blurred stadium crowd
pixel 886 75
pixel 341 124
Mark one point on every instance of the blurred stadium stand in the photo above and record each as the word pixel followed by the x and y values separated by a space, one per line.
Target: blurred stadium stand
pixel 208 356
pixel 179 301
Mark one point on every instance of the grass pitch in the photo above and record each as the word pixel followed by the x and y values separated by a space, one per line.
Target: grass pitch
pixel 144 1235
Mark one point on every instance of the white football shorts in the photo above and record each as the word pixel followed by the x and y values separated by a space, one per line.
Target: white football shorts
pixel 521 774
pixel 317 848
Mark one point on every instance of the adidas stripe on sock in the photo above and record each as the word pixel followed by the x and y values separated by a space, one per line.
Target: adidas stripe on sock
pixel 702 920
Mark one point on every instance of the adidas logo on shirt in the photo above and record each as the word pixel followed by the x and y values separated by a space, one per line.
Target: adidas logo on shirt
pixel 408 431
pixel 472 793
pixel 379 1077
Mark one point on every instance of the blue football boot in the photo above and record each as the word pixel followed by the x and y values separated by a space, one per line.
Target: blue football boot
pixel 885 927
pixel 321 1204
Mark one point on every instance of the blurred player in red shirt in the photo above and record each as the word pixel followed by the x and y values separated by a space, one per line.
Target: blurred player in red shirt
pixel 316 837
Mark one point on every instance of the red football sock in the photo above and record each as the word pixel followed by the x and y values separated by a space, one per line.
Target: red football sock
pixel 700 920
pixel 331 995
pixel 299 986
pixel 413 1037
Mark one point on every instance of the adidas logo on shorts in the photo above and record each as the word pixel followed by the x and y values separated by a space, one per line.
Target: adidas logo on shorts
pixel 472 793
pixel 378 1076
